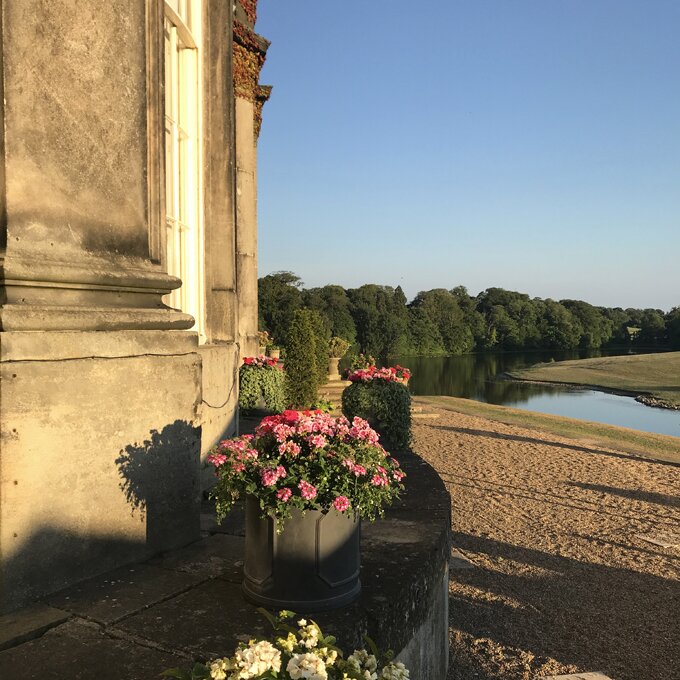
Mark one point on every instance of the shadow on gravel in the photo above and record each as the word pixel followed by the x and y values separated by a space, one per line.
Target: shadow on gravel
pixel 633 494
pixel 594 616
pixel 546 442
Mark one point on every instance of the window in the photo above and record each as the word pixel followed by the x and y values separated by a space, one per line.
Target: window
pixel 183 181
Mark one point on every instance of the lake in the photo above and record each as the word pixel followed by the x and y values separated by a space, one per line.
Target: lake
pixel 477 376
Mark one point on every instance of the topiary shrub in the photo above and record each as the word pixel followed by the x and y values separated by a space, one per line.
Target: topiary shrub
pixel 337 347
pixel 386 405
pixel 302 379
pixel 321 346
pixel 261 380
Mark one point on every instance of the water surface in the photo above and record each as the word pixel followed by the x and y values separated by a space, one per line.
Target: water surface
pixel 478 377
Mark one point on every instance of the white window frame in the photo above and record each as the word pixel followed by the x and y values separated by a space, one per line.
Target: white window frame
pixel 185 238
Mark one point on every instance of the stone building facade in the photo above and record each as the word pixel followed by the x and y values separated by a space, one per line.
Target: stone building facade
pixel 128 158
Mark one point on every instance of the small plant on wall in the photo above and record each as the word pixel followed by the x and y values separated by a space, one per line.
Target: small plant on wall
pixel 261 383
pixel 380 396
pixel 337 347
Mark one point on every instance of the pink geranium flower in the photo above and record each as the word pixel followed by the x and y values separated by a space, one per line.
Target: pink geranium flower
pixel 341 503
pixel 284 494
pixel 307 490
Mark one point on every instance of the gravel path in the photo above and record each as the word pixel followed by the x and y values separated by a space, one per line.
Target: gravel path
pixel 560 580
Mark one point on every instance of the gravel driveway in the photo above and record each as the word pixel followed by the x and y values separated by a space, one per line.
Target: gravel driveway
pixel 559 578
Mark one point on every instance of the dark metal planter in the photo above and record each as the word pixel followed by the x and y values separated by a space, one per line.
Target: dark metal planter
pixel 313 565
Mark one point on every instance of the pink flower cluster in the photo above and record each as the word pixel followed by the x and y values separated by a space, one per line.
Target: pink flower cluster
pixel 307 490
pixel 270 476
pixel 237 452
pixel 341 503
pixel 357 469
pixel 261 361
pixel 388 374
pixel 307 459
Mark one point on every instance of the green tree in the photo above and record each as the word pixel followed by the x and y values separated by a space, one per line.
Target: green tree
pixel 381 319
pixel 278 297
pixel 444 311
pixel 597 328
pixel 321 349
pixel 673 327
pixel 425 338
pixel 334 303
pixel 652 328
pixel 560 329
pixel 302 375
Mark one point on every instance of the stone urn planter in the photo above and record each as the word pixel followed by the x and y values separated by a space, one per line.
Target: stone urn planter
pixel 312 565
pixel 333 369
pixel 306 477
pixel 274 353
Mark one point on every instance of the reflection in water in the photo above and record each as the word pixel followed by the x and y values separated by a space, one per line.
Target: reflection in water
pixel 477 376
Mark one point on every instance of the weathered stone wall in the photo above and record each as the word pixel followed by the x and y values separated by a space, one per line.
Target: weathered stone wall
pixel 249 50
pixel 100 453
pixel 106 405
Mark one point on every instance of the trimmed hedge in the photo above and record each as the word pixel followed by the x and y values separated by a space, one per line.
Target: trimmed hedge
pixel 385 405
pixel 258 383
pixel 300 361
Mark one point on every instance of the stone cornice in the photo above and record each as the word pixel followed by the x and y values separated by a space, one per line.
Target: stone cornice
pixel 263 93
pixel 250 51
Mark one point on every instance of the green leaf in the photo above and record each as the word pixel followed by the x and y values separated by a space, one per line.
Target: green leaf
pixel 372 646
pixel 200 672
pixel 268 616
pixel 176 673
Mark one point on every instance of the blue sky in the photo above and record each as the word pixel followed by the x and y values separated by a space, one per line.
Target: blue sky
pixel 531 145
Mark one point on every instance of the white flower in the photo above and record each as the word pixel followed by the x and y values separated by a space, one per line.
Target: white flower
pixel 328 655
pixel 287 643
pixel 394 671
pixel 219 667
pixel 258 658
pixel 307 666
pixel 309 635
pixel 363 662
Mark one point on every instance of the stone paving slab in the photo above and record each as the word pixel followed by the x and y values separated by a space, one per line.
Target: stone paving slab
pixel 79 650
pixel 29 623
pixel 121 592
pixel 218 555
pixel 207 621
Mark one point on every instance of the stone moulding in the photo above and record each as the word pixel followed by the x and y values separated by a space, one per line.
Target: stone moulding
pixel 56 296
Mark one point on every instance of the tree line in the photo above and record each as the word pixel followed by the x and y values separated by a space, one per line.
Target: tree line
pixel 379 320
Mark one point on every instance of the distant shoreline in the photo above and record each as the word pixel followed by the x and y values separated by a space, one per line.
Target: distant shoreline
pixel 652 379
pixel 646 398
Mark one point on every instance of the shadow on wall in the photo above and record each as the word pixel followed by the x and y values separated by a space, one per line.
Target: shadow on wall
pixel 161 481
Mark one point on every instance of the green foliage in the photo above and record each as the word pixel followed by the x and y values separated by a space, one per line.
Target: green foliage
pixel 337 347
pixel 361 361
pixel 673 327
pixel 302 374
pixel 323 405
pixel 334 304
pixel 380 321
pixel 321 346
pixel 278 297
pixel 385 405
pixel 265 383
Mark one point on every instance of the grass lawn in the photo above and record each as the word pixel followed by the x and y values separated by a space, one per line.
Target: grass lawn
pixel 646 445
pixel 654 374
